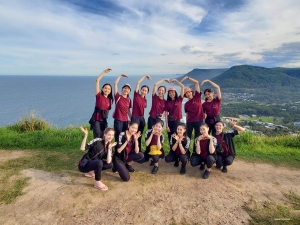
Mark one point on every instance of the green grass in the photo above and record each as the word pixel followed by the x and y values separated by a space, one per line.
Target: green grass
pixel 274 213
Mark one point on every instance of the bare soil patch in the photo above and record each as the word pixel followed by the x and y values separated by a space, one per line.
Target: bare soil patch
pixel 164 198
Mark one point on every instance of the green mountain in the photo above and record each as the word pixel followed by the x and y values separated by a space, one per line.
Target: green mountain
pixel 293 72
pixel 253 77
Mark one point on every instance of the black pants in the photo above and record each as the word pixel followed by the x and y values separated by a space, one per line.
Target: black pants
pixel 141 122
pixel 98 128
pixel 97 166
pixel 151 122
pixel 121 168
pixel 173 127
pixel 119 127
pixel 195 126
pixel 224 160
pixel 172 157
pixel 198 160
pixel 212 129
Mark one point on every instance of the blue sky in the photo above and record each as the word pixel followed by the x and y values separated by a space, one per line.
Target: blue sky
pixel 73 37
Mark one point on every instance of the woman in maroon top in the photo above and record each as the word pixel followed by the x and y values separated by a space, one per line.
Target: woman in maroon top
pixel 104 99
pixel 193 108
pixel 211 106
pixel 139 105
pixel 173 109
pixel 226 158
pixel 204 152
pixel 122 109
pixel 158 103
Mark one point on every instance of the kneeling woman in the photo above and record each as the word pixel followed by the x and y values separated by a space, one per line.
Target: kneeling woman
pixel 225 158
pixel 180 144
pixel 100 155
pixel 204 151
pixel 127 151
pixel 154 142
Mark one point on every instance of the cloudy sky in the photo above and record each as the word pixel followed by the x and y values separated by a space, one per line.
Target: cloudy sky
pixel 77 37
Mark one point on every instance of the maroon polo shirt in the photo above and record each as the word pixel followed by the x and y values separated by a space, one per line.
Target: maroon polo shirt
pixel 128 148
pixel 139 105
pixel 224 145
pixel 158 106
pixel 122 106
pixel 193 108
pixel 203 152
pixel 154 140
pixel 102 103
pixel 212 108
pixel 174 108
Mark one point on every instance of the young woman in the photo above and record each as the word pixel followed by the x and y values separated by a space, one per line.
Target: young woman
pixel 100 155
pixel 104 99
pixel 204 151
pixel 193 108
pixel 127 151
pixel 158 103
pixel 173 109
pixel 123 105
pixel 154 142
pixel 226 158
pixel 180 144
pixel 139 105
pixel 211 106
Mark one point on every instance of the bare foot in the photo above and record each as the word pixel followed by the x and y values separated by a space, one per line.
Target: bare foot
pixel 90 174
pixel 99 185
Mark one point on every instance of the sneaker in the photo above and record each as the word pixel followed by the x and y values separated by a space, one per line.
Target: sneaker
pixel 206 174
pixel 151 163
pixel 129 168
pixel 182 170
pixel 218 167
pixel 114 169
pixel 155 169
pixel 224 170
pixel 202 167
pixel 176 163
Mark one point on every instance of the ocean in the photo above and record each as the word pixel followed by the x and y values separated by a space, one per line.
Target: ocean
pixel 60 100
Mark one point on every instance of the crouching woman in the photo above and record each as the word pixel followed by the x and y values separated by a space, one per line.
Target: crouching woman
pixel 127 151
pixel 226 156
pixel 205 152
pixel 98 157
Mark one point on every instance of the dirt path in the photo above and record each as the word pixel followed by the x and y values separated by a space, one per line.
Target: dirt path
pixel 164 198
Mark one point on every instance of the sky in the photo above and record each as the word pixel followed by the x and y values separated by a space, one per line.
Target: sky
pixel 135 37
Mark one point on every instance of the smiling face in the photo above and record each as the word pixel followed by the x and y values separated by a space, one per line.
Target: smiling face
pixel 219 127
pixel 180 130
pixel 209 95
pixel 109 135
pixel 133 128
pixel 161 91
pixel 157 127
pixel 204 130
pixel 171 94
pixel 189 94
pixel 106 90
pixel 144 91
pixel 125 90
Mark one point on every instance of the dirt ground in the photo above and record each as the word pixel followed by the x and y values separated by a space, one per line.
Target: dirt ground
pixel 164 198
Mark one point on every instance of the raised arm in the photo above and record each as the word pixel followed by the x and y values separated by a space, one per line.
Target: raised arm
pixel 97 87
pixel 138 83
pixel 196 83
pixel 217 87
pixel 83 143
pixel 109 153
pixel 156 85
pixel 211 145
pixel 181 86
pixel 117 81
pixel 238 128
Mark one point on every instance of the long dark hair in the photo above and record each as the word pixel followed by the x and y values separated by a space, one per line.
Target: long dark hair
pixel 110 95
pixel 183 125
pixel 145 87
pixel 170 99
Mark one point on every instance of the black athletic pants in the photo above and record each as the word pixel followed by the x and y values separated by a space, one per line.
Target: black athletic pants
pixel 195 126
pixel 99 128
pixel 119 127
pixel 97 166
pixel 224 160
pixel 172 157
pixel 198 160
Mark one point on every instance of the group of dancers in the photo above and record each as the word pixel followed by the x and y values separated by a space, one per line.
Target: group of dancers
pixel 211 144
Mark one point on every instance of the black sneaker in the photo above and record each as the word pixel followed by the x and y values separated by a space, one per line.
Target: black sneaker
pixel 218 167
pixel 151 163
pixel 202 167
pixel 113 169
pixel 182 170
pixel 206 174
pixel 176 163
pixel 129 168
pixel 155 169
pixel 224 170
